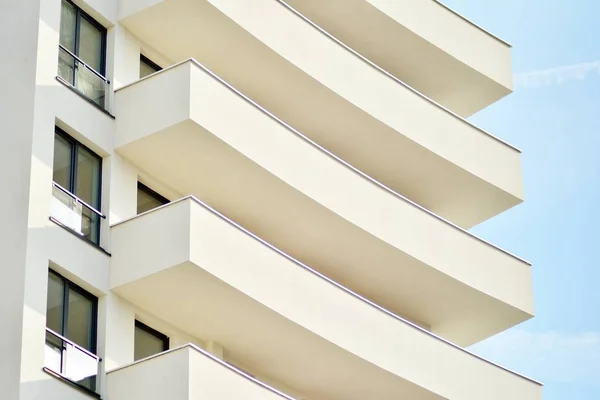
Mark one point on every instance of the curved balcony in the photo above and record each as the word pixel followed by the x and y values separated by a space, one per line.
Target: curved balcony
pixel 426 44
pixel 186 373
pixel 186 126
pixel 325 90
pixel 205 274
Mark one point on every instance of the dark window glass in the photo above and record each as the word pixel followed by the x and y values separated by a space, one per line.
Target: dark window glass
pixel 77 170
pixel 63 155
pixel 55 305
pixel 87 186
pixel 148 199
pixel 148 341
pixel 71 314
pixel 91 43
pixel 82 38
pixel 80 319
pixel 147 66
pixel 71 311
pixel 68 17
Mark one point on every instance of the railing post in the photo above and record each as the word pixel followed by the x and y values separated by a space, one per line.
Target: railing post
pixel 63 358
pixel 91 86
pixel 75 362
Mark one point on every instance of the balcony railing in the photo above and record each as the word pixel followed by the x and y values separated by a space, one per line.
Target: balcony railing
pixel 75 214
pixel 82 77
pixel 71 361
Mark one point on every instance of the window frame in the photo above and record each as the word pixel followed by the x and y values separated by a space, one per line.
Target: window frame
pixel 74 154
pixel 153 193
pixel 67 286
pixel 79 13
pixel 150 63
pixel 166 341
pixel 75 145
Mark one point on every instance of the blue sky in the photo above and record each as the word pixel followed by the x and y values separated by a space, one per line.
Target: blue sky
pixel 554 117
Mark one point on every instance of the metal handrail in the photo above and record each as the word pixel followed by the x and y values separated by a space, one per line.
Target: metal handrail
pixel 468 20
pixel 394 78
pixel 77 199
pixel 324 150
pixel 324 277
pixel 349 291
pixel 78 347
pixel 79 60
pixel 213 358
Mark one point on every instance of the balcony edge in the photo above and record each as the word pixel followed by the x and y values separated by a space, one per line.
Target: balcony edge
pixel 327 279
pixel 213 358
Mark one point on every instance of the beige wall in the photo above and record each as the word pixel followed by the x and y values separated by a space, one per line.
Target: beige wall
pixel 30 243
pixel 192 254
pixel 452 60
pixel 184 374
pixel 255 169
pixel 18 19
pixel 329 94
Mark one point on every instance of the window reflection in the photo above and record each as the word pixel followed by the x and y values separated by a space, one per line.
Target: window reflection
pixel 148 199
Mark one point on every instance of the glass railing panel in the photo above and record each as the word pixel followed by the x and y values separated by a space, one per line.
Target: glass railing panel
pixel 66 66
pixel 90 225
pixel 83 78
pixel 53 353
pixel 75 214
pixel 71 361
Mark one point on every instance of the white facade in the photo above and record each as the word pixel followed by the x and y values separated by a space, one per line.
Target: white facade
pixel 321 178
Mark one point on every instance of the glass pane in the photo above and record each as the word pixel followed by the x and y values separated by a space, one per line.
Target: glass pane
pixel 146 69
pixel 90 84
pixel 80 320
pixel 90 225
pixel 90 45
pixel 66 66
pixel 55 303
pixel 146 344
pixel 80 367
pixel 53 353
pixel 72 214
pixel 70 361
pixel 62 161
pixel 67 26
pixel 87 187
pixel 147 202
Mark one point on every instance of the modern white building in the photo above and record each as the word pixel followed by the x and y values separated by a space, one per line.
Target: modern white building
pixel 253 199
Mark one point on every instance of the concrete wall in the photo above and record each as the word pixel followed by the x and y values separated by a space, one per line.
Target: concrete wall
pixel 30 243
pixel 331 95
pixel 183 374
pixel 452 61
pixel 255 170
pixel 18 19
pixel 261 293
pixel 31 104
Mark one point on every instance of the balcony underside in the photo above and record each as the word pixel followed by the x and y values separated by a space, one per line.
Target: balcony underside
pixel 324 90
pixel 207 276
pixel 423 43
pixel 185 127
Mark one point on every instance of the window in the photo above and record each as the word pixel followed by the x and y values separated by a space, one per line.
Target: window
pixel 71 316
pixel 71 311
pixel 147 66
pixel 148 341
pixel 77 175
pixel 82 51
pixel 148 199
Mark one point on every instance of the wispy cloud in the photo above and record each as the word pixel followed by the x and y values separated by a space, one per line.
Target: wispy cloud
pixel 558 75
pixel 547 356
